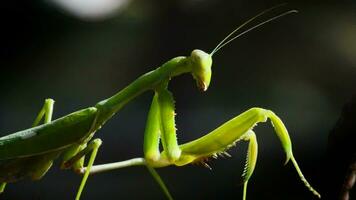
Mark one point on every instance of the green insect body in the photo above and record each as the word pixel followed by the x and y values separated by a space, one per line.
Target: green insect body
pixel 59 134
pixel 30 153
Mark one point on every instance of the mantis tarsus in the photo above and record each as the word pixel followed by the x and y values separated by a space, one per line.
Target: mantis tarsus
pixel 30 153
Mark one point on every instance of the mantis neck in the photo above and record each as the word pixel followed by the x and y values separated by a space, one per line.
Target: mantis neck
pixel 149 81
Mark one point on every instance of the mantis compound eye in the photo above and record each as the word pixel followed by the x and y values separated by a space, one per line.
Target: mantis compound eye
pixel 201 68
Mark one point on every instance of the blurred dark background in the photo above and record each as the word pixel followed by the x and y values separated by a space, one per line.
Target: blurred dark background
pixel 302 66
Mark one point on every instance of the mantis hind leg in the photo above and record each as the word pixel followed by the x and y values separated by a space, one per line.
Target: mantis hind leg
pixel 46 112
pixel 76 162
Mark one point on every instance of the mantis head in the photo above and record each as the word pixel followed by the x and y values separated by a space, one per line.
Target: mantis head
pixel 201 61
pixel 201 68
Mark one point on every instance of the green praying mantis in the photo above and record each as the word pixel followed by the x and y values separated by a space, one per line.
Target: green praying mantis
pixel 30 153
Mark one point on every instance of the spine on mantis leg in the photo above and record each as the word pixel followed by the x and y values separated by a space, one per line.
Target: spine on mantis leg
pixel 218 141
pixel 215 141
pixel 222 138
pixel 252 153
pixel 283 135
pixel 251 159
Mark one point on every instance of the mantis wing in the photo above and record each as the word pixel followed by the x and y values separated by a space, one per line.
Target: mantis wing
pixel 57 135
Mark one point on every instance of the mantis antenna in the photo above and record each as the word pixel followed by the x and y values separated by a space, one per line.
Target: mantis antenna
pixel 229 37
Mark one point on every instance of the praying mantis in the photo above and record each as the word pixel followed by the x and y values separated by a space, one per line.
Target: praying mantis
pixel 30 153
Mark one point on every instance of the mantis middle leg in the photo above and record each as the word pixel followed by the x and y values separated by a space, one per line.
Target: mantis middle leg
pixel 75 155
pixel 74 158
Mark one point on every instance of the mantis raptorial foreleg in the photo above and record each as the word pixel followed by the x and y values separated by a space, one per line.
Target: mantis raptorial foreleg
pixel 161 125
pixel 168 125
pixel 227 134
pixel 213 144
pixel 160 121
pixel 46 112
pixel 251 159
pixel 152 132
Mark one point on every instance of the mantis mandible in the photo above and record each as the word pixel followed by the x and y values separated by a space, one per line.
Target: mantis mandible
pixel 30 153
